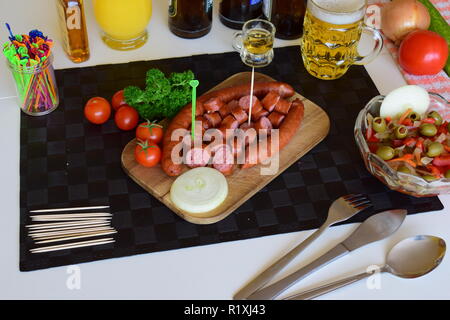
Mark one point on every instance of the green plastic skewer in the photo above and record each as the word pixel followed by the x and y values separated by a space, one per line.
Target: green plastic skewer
pixel 194 85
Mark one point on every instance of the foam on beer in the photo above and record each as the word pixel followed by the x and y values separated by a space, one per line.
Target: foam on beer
pixel 341 11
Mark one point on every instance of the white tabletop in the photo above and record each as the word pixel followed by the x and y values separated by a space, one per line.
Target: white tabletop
pixel 206 272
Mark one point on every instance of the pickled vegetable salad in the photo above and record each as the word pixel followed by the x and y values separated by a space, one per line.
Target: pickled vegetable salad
pixel 412 144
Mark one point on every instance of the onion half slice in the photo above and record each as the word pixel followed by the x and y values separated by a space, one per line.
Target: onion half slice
pixel 400 99
pixel 199 190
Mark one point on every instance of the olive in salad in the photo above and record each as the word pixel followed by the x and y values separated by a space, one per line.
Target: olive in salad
pixel 412 143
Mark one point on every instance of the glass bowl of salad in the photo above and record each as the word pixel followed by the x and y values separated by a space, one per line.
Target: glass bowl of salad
pixel 409 153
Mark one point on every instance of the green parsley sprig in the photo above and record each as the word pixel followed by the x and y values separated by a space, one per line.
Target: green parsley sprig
pixel 162 97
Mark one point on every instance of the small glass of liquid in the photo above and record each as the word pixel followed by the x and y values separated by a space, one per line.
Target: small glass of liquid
pixel 255 42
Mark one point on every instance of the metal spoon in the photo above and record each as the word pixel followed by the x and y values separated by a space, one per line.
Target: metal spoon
pixel 410 258
pixel 374 228
pixel 340 210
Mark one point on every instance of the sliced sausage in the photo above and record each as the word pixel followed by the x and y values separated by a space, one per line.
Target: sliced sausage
pixel 226 109
pixel 239 143
pixel 246 126
pixel 212 105
pixel 257 108
pixel 276 118
pixel 197 157
pixel 261 113
pixel 260 89
pixel 223 159
pixel 239 114
pixel 270 100
pixel 263 123
pixel 283 106
pixel 244 103
pixel 225 169
pixel 205 124
pixel 213 119
pixel 228 123
pixel 249 135
pixel 183 118
pixel 251 155
pixel 288 128
pixel 236 147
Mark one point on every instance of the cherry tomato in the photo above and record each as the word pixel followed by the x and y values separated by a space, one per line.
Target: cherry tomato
pixel 126 118
pixel 97 110
pixel 423 52
pixel 149 131
pixel 118 100
pixel 147 154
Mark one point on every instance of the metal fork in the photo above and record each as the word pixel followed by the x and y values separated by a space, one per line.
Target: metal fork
pixel 341 209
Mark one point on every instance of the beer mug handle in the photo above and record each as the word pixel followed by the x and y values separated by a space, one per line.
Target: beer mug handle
pixel 360 60
pixel 237 41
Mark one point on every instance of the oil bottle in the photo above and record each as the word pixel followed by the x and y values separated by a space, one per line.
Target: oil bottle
pixel 73 27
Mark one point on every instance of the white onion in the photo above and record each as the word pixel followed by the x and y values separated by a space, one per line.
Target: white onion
pixel 442 137
pixel 382 135
pixel 199 190
pixel 402 98
pixel 426 160
pixel 400 17
pixel 399 150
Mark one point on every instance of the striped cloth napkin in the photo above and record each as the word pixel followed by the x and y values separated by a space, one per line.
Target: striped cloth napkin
pixel 439 83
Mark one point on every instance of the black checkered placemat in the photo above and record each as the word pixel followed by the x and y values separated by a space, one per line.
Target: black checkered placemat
pixel 66 161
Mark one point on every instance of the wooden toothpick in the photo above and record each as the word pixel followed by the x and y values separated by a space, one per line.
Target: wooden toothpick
pixel 73 245
pixel 251 96
pixel 70 209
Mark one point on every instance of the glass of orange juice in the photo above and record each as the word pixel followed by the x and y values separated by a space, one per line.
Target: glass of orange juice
pixel 123 22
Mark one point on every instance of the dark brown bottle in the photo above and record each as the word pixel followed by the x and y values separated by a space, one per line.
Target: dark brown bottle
pixel 190 18
pixel 287 16
pixel 234 13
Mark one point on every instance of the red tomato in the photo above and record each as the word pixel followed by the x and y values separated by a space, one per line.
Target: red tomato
pixel 126 118
pixel 149 131
pixel 97 110
pixel 147 154
pixel 118 100
pixel 423 52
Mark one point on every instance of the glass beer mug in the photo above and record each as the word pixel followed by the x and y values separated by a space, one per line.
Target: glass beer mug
pixel 332 30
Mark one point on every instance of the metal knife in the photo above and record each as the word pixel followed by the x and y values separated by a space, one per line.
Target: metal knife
pixel 374 228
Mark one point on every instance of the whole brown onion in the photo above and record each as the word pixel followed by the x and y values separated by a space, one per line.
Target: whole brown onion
pixel 400 17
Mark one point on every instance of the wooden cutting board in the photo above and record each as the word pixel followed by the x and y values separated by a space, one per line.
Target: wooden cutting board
pixel 242 184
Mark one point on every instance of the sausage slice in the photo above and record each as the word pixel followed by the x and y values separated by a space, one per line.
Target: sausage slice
pixel 261 113
pixel 223 159
pixel 213 105
pixel 228 123
pixel 244 103
pixel 263 123
pixel 197 157
pixel 283 106
pixel 276 118
pixel 226 109
pixel 213 119
pixel 270 100
pixel 239 114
